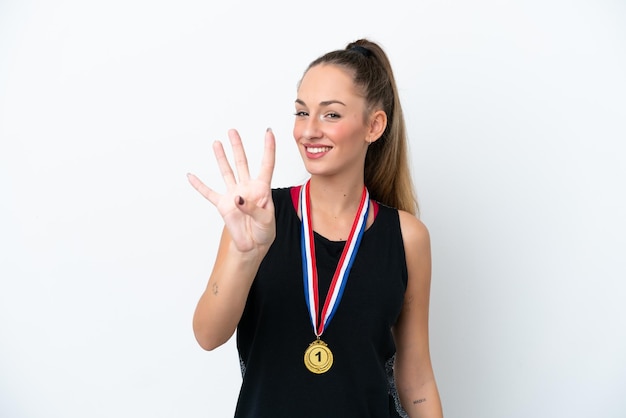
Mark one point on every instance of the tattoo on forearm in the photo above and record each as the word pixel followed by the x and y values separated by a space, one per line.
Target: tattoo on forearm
pixel 215 289
pixel 419 400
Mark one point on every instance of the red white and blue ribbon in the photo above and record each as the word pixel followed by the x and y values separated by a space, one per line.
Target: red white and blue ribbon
pixel 338 283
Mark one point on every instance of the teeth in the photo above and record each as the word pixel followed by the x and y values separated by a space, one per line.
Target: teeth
pixel 317 150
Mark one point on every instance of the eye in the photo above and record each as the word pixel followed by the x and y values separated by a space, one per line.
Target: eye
pixel 301 113
pixel 332 115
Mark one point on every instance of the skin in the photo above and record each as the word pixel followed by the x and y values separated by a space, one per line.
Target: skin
pixel 249 230
pixel 332 132
pixel 330 116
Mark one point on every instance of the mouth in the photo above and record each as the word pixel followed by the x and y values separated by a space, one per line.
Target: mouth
pixel 317 150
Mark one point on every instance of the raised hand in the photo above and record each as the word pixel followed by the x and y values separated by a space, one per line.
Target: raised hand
pixel 246 206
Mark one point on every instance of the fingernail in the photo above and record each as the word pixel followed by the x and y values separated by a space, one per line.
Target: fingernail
pixel 268 130
pixel 240 200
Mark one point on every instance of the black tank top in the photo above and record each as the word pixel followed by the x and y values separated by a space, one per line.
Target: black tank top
pixel 275 328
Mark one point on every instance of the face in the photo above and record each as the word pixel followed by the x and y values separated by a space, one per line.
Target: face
pixel 330 127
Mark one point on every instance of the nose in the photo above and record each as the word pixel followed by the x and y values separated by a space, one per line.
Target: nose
pixel 308 128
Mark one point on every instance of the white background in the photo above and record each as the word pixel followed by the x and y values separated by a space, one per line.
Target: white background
pixel 517 119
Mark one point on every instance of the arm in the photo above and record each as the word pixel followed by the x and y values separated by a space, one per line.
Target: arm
pixel 222 303
pixel 249 230
pixel 413 370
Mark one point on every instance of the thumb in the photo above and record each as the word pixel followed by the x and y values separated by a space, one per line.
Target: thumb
pixel 252 209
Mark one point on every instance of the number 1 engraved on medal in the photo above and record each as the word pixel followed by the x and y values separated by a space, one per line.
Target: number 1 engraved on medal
pixel 318 358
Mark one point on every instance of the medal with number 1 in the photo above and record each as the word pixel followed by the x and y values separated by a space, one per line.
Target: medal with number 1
pixel 317 357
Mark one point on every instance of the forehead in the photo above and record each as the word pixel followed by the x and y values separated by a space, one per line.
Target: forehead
pixel 327 82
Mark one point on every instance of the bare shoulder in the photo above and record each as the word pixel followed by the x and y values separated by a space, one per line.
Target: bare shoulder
pixel 414 232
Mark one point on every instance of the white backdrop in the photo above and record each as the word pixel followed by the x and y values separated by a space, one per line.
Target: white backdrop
pixel 517 119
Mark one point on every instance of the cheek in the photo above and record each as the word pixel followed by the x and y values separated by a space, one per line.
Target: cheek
pixel 297 131
pixel 345 133
pixel 299 128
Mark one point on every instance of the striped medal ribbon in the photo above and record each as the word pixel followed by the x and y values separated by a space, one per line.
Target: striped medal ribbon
pixel 318 358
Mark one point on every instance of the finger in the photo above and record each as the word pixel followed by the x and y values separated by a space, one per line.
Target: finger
pixel 269 156
pixel 204 190
pixel 257 211
pixel 223 164
pixel 239 154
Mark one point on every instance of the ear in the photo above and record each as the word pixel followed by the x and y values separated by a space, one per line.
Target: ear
pixel 376 126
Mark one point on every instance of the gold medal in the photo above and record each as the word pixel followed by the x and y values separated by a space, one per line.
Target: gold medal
pixel 318 358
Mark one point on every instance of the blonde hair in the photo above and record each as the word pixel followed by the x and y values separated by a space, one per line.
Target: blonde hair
pixel 372 73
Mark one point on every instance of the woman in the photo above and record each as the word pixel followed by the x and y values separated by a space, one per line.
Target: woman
pixel 326 283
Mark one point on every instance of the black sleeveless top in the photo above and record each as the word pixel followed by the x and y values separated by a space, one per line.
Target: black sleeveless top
pixel 276 329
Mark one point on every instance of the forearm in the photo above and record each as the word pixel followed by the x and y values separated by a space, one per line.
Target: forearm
pixel 222 303
pixel 421 402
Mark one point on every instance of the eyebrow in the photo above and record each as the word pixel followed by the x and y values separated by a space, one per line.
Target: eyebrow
pixel 322 103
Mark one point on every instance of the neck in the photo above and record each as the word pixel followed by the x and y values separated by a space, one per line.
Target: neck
pixel 336 197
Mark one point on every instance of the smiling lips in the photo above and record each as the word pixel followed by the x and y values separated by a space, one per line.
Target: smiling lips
pixel 317 150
